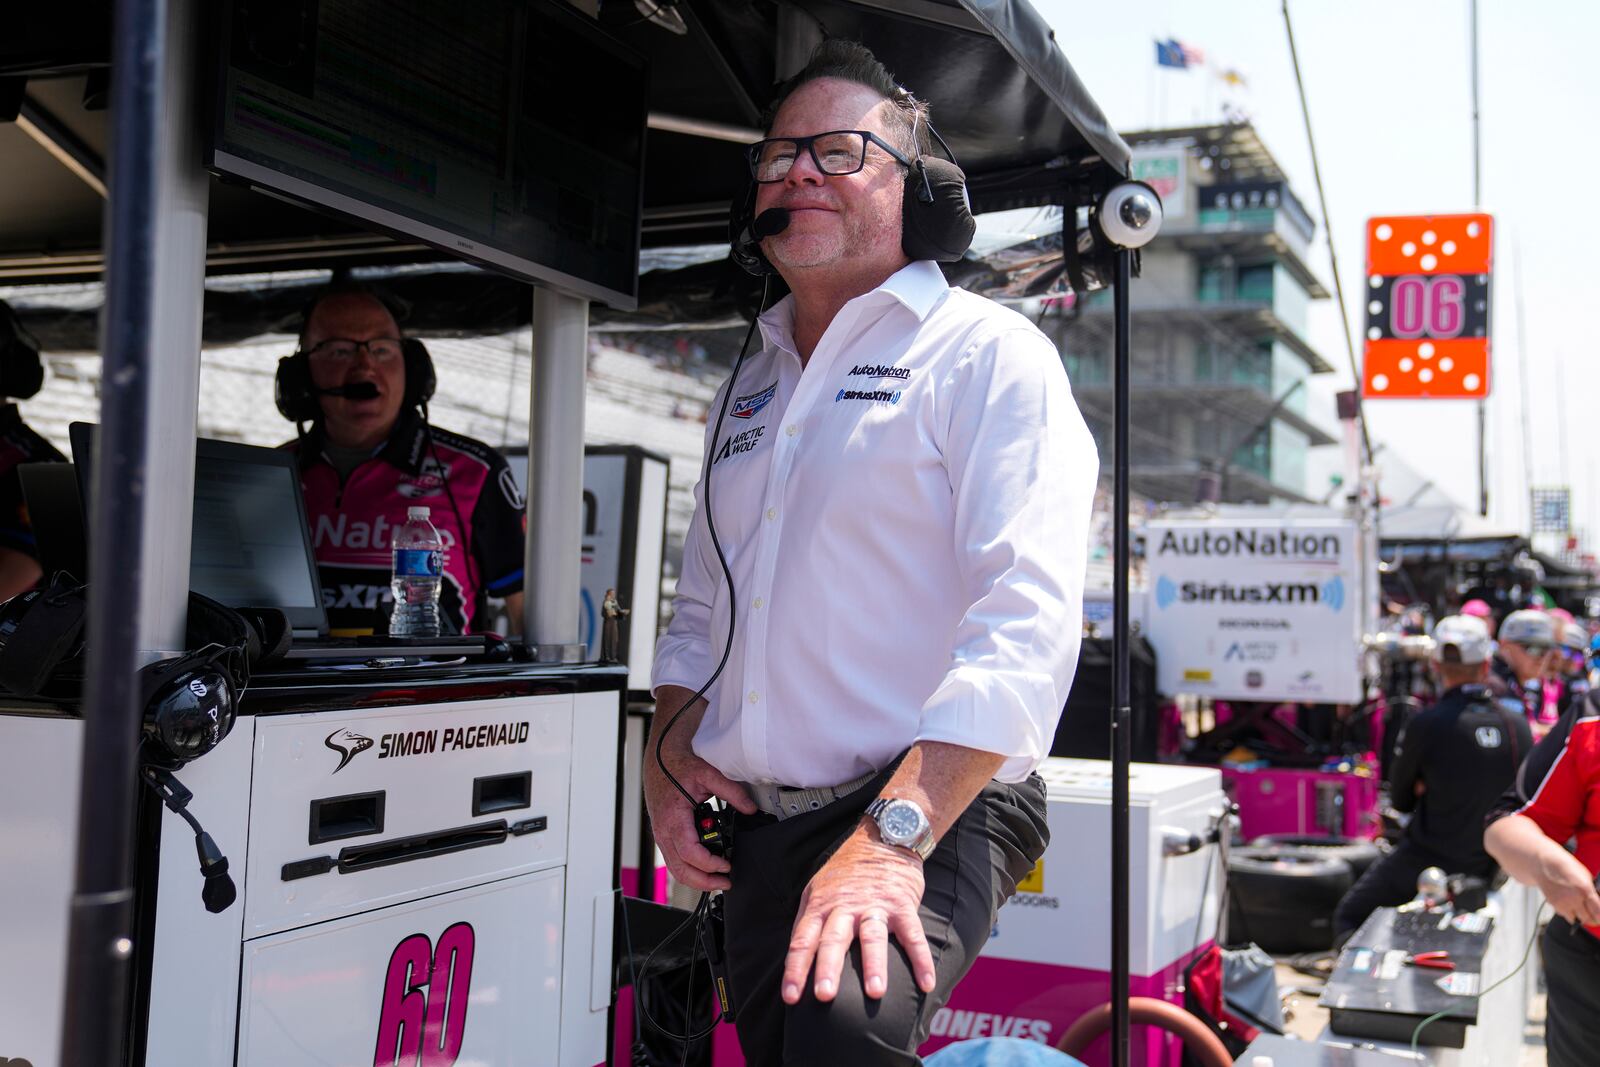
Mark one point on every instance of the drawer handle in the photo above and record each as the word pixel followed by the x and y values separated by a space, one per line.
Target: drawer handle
pixel 502 792
pixel 355 815
pixel 353 858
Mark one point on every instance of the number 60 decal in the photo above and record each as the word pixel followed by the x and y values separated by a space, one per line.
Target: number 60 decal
pixel 424 1017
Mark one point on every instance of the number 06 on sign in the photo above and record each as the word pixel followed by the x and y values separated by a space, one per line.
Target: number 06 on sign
pixel 1427 298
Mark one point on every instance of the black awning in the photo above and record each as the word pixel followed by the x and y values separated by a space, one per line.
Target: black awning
pixel 1003 94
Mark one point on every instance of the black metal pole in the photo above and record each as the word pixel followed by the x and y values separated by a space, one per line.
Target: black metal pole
pixel 100 942
pixel 1121 711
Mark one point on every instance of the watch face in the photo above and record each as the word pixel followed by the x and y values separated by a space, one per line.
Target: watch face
pixel 900 822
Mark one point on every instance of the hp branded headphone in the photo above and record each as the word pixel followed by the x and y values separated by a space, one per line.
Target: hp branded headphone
pixel 189 702
pixel 298 397
pixel 935 214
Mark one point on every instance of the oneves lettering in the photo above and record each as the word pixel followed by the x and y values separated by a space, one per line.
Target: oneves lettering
pixel 951 1022
pixel 451 738
pixel 1274 543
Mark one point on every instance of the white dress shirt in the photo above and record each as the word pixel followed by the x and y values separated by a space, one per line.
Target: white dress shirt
pixel 906 521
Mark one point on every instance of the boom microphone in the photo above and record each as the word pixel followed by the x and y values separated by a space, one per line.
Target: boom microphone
pixel 353 391
pixel 770 223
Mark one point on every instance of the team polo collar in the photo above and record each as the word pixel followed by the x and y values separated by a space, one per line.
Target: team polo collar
pixel 918 287
pixel 406 447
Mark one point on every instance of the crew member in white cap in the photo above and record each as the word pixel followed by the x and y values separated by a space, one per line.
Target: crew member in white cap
pixel 1455 760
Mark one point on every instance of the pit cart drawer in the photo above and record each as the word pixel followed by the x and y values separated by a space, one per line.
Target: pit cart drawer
pixel 468 977
pixel 351 811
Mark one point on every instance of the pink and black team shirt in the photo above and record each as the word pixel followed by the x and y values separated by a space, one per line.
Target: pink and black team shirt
pixel 353 523
pixel 1558 786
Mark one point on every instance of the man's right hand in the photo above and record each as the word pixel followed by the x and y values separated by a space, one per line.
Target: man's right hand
pixel 671 816
pixel 1569 887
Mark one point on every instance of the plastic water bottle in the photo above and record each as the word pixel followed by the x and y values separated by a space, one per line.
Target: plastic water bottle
pixel 418 561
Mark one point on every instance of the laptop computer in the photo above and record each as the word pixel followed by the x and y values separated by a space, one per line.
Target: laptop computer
pixel 55 510
pixel 251 547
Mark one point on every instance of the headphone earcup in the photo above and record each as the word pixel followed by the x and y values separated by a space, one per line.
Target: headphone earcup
pixel 742 243
pixel 189 706
pixel 292 390
pixel 936 216
pixel 421 380
pixel 21 369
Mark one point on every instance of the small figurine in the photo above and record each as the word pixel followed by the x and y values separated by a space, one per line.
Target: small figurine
pixel 611 613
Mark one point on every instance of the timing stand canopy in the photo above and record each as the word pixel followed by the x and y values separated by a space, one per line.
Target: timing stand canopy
pixel 1013 111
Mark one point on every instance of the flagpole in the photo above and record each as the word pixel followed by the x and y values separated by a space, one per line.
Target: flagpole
pixel 1477 205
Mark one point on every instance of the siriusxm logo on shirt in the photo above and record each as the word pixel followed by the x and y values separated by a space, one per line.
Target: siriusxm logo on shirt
pixel 876 396
pixel 746 406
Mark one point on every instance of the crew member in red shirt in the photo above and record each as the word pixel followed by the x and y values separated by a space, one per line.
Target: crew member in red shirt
pixel 370 453
pixel 1555 800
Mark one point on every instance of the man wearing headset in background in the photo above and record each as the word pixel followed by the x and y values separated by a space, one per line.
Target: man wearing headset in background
pixel 893 442
pixel 366 459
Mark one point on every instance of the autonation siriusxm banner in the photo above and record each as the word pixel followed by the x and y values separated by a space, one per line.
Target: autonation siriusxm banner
pixel 1264 610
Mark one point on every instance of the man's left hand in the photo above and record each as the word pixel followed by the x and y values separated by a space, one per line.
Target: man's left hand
pixel 866 890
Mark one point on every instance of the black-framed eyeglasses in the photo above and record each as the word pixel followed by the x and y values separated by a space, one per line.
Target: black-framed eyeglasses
pixel 344 349
pixel 836 153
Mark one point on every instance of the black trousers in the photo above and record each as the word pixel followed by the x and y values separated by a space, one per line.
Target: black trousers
pixel 1572 975
pixel 1392 881
pixel 970 874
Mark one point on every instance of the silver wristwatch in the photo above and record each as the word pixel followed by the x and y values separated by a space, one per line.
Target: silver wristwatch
pixel 903 823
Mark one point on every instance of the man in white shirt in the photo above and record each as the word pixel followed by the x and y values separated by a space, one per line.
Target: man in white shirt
pixel 902 492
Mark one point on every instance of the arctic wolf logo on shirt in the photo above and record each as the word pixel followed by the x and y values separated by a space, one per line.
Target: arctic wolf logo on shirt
pixel 746 406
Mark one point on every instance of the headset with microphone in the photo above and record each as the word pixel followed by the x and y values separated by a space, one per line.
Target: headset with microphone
pixel 189 702
pixel 299 399
pixel 935 212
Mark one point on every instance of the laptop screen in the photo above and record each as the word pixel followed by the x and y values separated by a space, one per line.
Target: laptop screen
pixel 250 545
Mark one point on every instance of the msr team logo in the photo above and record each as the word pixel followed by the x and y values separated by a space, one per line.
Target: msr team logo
pixel 746 406
pixel 354 745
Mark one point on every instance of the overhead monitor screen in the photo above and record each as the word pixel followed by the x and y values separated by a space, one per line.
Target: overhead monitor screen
pixel 509 132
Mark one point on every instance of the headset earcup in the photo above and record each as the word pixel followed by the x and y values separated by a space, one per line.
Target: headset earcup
pixel 21 369
pixel 292 390
pixel 421 381
pixel 940 229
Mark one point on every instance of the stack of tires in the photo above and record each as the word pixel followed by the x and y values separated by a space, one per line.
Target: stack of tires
pixel 1283 889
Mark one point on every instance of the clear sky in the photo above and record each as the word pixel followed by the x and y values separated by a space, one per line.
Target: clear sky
pixel 1390 93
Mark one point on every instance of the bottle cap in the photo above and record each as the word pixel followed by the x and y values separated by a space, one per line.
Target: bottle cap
pixel 418 512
